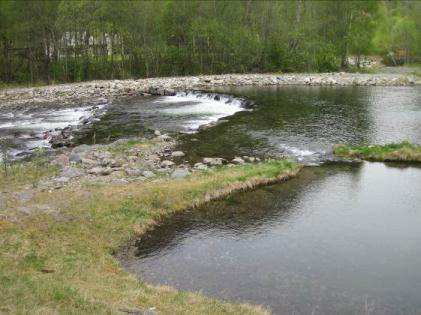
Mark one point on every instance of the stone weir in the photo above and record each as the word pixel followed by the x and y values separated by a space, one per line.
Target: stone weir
pixel 92 91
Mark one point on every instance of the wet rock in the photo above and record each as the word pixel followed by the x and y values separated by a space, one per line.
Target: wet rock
pixel 177 154
pixel 238 160
pixel 180 173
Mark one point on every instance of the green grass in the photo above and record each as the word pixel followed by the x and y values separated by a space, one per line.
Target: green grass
pixel 400 152
pixel 64 263
pixel 17 174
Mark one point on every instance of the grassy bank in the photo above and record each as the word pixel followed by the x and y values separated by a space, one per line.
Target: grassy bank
pixel 60 260
pixel 400 152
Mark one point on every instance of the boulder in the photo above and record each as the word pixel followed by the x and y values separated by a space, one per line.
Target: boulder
pixel 75 158
pixel 177 154
pixel 167 163
pixel 133 172
pixel 100 171
pixel 200 166
pixel 180 173
pixel 213 161
pixel 238 160
pixel 61 160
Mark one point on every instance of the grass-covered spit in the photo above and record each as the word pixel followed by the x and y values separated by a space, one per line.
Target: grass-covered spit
pixel 60 261
pixel 399 152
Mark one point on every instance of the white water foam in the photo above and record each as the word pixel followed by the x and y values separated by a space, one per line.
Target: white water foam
pixel 205 108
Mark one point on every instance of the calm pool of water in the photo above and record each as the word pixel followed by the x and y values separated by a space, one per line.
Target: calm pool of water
pixel 334 240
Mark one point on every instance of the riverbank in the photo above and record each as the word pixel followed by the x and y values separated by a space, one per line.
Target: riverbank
pixel 95 92
pixel 57 240
pixel 394 152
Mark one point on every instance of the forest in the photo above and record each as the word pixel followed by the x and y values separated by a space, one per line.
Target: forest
pixel 70 41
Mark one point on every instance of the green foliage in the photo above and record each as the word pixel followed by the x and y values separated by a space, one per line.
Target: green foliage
pixel 67 41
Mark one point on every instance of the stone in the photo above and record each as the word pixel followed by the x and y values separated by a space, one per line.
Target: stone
pixel 75 158
pixel 157 133
pixel 88 162
pixel 180 173
pixel 165 137
pixel 133 172
pixel 71 172
pixel 81 149
pixel 167 163
pixel 200 166
pixel 177 154
pixel 213 161
pixel 237 160
pixel 61 160
pixel 100 171
pixel 249 159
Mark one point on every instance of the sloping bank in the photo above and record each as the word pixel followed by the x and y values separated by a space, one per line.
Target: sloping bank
pixel 95 91
pixel 61 261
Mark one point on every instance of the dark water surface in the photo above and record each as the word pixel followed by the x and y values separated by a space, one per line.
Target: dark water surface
pixel 338 239
pixel 334 240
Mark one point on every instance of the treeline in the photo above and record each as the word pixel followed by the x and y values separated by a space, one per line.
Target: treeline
pixel 66 41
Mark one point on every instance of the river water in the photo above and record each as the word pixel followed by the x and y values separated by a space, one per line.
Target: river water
pixel 337 239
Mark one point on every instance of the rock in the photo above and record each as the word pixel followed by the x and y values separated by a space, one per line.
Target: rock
pixel 249 159
pixel 75 158
pixel 100 171
pixel 213 161
pixel 133 172
pixel 148 174
pixel 237 160
pixel 88 162
pixel 180 173
pixel 157 133
pixel 71 172
pixel 200 166
pixel 61 160
pixel 177 154
pixel 102 155
pixel 167 163
pixel 165 137
pixel 81 149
